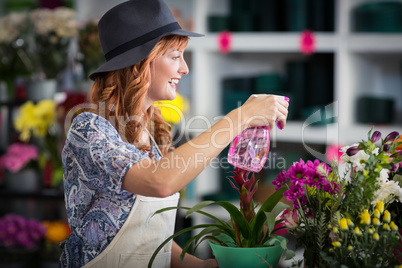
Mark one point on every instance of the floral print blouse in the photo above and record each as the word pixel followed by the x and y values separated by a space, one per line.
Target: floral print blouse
pixel 95 160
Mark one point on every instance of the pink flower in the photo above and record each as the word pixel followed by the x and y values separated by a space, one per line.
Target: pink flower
pixel 290 218
pixel 18 155
pixel 333 152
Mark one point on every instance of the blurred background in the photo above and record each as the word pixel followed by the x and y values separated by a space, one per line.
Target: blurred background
pixel 339 62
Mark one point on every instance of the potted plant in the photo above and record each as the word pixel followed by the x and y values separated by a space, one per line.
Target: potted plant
pixel 247 230
pixel 19 240
pixel 21 164
pixel 53 31
pixel 15 59
pixel 339 213
pixel 37 123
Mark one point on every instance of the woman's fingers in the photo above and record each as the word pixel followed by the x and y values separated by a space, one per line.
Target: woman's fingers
pixel 261 109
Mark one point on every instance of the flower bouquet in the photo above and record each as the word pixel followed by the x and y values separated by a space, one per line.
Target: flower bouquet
pixel 53 31
pixel 37 122
pixel 19 238
pixel 247 228
pixel 20 163
pixel 19 156
pixel 338 213
pixel 15 59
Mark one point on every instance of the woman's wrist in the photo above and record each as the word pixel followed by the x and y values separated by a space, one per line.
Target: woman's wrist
pixel 237 121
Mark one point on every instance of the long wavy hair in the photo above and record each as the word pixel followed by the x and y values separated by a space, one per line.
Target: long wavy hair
pixel 119 95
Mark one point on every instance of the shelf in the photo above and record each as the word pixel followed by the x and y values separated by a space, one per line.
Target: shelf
pixel 43 194
pixel 299 132
pixel 265 42
pixel 382 43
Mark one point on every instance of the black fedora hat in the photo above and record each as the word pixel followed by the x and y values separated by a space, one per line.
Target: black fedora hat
pixel 129 31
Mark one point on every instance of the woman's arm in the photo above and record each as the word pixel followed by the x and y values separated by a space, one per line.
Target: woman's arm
pixel 179 167
pixel 189 260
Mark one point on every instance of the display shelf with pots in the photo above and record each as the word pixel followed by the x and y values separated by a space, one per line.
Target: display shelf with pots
pixel 364 64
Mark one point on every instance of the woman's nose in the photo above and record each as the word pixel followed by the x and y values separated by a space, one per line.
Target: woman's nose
pixel 183 70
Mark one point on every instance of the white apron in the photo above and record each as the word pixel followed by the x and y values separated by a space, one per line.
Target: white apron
pixel 140 235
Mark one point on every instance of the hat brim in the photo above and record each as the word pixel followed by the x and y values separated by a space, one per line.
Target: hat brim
pixel 135 55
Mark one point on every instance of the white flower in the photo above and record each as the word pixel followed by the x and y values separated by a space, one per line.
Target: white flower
pixel 383 178
pixel 356 160
pixel 11 26
pixel 60 21
pixel 389 192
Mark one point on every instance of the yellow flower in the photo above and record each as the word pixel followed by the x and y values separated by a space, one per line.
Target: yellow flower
pixel 376 236
pixel 172 110
pixel 350 222
pixel 343 224
pixel 25 121
pixel 376 222
pixel 336 244
pixel 365 218
pixel 377 213
pixel 393 226
pixel 387 216
pixel 357 231
pixel 335 230
pixel 371 230
pixel 386 227
pixel 380 206
pixel 35 119
pixel 350 248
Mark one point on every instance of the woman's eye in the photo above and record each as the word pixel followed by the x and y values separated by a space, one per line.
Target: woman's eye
pixel 176 57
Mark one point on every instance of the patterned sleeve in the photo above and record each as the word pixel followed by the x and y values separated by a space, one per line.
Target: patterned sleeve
pixel 110 155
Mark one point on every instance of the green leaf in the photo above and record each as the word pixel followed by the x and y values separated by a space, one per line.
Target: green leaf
pixel 237 217
pixel 175 235
pixel 258 221
pixel 198 207
pixel 269 204
pixel 289 254
pixel 197 211
pixel 270 220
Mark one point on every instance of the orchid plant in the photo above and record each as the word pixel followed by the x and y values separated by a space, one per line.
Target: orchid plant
pixel 246 228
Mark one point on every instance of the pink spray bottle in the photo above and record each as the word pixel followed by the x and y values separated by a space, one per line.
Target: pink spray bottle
pixel 249 150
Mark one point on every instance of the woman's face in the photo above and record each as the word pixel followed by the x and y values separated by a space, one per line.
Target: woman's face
pixel 166 72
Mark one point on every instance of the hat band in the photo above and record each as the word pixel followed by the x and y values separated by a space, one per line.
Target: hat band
pixel 141 40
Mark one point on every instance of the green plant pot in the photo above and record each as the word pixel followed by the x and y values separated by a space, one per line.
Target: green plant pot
pixel 229 257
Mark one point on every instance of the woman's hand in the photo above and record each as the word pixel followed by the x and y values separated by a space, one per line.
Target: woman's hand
pixel 263 110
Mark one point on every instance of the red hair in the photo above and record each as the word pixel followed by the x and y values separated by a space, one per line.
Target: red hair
pixel 119 95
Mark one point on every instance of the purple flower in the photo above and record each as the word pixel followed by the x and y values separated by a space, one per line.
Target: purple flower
pixel 298 172
pixel 315 180
pixel 386 148
pixel 280 180
pixel 16 231
pixel 376 136
pixel 351 151
pixel 294 192
pixel 391 136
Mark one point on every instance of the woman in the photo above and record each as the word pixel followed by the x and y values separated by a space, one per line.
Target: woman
pixel 117 161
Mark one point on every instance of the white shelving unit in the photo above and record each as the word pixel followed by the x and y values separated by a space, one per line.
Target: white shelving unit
pixel 363 64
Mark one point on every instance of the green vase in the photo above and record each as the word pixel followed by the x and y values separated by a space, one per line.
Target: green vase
pixel 229 257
